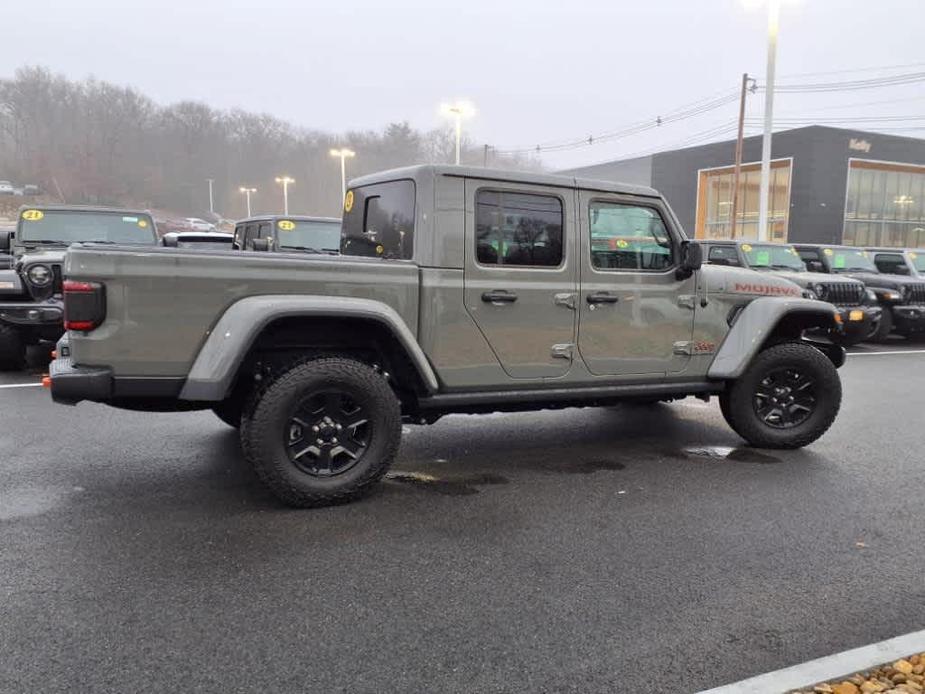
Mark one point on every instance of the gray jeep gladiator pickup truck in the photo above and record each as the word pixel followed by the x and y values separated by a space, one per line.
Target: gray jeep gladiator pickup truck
pixel 31 308
pixel 461 290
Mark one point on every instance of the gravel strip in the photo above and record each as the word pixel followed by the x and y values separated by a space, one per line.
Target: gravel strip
pixel 905 676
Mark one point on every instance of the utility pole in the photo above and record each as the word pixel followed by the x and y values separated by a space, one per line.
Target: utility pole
pixel 485 156
pixel 764 196
pixel 738 160
pixel 211 202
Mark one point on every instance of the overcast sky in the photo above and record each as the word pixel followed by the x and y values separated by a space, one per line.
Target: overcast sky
pixel 536 71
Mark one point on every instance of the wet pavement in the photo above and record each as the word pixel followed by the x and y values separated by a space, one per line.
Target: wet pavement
pixel 575 550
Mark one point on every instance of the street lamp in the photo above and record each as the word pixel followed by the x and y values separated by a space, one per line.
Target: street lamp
pixel 458 111
pixel 343 153
pixel 211 203
pixel 285 181
pixel 247 192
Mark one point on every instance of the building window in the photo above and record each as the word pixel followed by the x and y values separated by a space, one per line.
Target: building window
pixel 518 229
pixel 714 203
pixel 885 205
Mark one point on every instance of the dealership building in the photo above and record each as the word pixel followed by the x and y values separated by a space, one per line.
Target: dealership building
pixel 828 185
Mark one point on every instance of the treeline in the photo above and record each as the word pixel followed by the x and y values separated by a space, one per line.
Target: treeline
pixel 98 143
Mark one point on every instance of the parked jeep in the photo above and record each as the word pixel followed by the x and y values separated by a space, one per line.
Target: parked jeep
pixel 31 310
pixel 291 233
pixel 857 307
pixel 463 290
pixel 902 297
pixel 900 261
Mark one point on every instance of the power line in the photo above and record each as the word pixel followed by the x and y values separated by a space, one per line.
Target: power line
pixel 854 70
pixel 851 85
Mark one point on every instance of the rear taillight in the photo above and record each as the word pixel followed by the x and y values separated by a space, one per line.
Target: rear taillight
pixel 84 305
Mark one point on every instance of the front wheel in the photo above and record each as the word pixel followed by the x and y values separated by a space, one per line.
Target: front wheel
pixel 324 431
pixel 787 398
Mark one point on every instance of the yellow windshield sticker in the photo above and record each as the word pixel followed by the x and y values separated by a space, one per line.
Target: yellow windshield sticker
pixel 379 250
pixel 746 247
pixel 913 256
pixel 32 215
pixel 285 225
pixel 348 201
pixel 828 251
pixel 142 223
pixel 622 244
pixel 792 251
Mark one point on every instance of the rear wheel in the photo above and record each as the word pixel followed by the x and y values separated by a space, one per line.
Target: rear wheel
pixel 12 350
pixel 787 398
pixel 323 431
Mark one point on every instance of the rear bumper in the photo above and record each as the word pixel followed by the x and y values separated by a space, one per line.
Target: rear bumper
pixel 71 384
pixel 909 319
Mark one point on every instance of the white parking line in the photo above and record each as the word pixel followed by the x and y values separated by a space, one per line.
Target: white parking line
pixel 828 668
pixel 22 385
pixel 884 354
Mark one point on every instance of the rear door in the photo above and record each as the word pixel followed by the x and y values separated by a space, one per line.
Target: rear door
pixel 635 316
pixel 520 276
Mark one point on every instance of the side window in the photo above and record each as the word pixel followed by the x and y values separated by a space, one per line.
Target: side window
pixel 891 264
pixel 239 236
pixel 263 231
pixel 628 237
pixel 379 220
pixel 250 233
pixel 723 255
pixel 518 229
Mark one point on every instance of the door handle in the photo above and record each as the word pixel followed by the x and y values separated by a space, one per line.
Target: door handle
pixel 499 296
pixel 602 298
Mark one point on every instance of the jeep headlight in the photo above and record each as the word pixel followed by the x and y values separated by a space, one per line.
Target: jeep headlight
pixel 39 275
pixel 810 294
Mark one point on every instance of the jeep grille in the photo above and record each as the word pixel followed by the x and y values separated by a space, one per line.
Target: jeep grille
pixel 843 293
pixel 917 293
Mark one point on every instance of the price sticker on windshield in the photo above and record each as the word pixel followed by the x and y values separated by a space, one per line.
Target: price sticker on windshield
pixel 746 247
pixel 285 225
pixel 828 251
pixel 763 258
pixel 32 215
pixel 142 223
pixel 348 201
pixel 839 262
pixel 913 256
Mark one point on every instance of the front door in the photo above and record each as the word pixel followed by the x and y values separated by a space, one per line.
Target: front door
pixel 635 316
pixel 520 275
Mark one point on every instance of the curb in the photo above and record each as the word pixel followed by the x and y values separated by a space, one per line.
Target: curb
pixel 827 668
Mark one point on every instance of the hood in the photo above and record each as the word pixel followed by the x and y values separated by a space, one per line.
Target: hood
pixel 49 254
pixel 807 279
pixel 723 279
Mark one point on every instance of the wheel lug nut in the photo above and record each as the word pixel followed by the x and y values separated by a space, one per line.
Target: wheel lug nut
pixel 334 440
pixel 315 428
pixel 339 427
pixel 319 442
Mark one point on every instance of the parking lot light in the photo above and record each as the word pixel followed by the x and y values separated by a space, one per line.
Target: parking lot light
pixel 343 153
pixel 457 111
pixel 247 192
pixel 285 181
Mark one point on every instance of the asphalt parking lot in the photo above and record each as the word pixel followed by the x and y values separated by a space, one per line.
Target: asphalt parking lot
pixel 631 549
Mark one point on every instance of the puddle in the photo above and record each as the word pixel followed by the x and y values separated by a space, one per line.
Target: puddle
pixel 585 467
pixel 737 455
pixel 25 502
pixel 453 485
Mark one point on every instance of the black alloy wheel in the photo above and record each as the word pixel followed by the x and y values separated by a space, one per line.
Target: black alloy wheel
pixel 785 398
pixel 327 433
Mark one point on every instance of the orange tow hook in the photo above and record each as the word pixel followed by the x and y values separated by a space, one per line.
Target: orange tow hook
pixel 54 354
pixel 46 381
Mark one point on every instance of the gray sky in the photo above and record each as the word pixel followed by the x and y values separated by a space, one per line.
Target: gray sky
pixel 537 72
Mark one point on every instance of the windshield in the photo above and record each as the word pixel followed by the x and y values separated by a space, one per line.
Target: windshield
pixel 918 260
pixel 849 260
pixel 64 227
pixel 316 235
pixel 773 257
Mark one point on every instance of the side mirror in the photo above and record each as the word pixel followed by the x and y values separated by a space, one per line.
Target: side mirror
pixel 900 270
pixel 260 244
pixel 6 238
pixel 170 240
pixel 691 259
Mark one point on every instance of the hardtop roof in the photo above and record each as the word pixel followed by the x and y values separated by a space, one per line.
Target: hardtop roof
pixel 294 217
pixel 82 208
pixel 502 175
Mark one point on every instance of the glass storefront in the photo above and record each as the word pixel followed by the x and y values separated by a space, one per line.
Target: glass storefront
pixel 714 204
pixel 885 205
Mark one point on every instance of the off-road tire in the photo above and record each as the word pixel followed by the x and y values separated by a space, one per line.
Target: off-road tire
pixel 267 415
pixel 12 350
pixel 230 411
pixel 738 402
pixel 885 328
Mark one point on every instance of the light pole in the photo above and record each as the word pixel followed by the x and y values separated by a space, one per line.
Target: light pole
pixel 247 192
pixel 285 180
pixel 343 153
pixel 211 203
pixel 458 111
pixel 765 189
